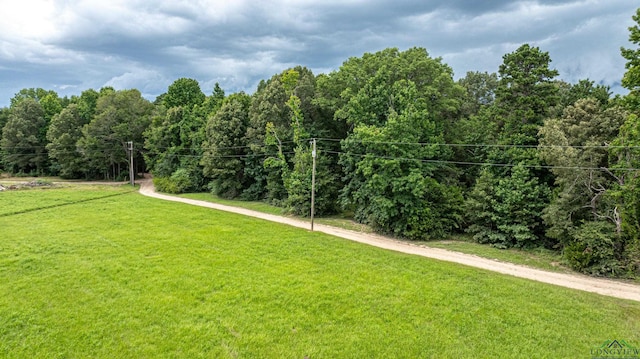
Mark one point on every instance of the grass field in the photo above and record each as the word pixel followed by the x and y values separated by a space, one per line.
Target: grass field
pixel 539 258
pixel 125 276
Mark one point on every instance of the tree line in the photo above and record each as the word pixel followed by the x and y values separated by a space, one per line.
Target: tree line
pixel 515 158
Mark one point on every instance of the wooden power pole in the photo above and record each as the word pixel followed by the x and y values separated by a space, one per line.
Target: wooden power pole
pixel 313 182
pixel 131 170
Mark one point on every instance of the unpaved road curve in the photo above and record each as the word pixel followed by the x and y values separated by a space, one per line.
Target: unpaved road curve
pixel 574 281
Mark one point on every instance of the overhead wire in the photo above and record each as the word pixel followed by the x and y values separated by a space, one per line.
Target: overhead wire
pixel 362 142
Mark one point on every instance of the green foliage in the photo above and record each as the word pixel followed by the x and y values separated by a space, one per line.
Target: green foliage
pixel 51 106
pixel 569 94
pixel 165 184
pixel 184 92
pixel 121 116
pixel 37 94
pixel 394 181
pixel 631 78
pixel 282 116
pixel 225 146
pixel 268 105
pixel 511 194
pixel 525 91
pixel 505 212
pixel 576 145
pixel 87 104
pixel 480 88
pixel 519 201
pixel 64 133
pixel 594 249
pixel 180 181
pixel 23 139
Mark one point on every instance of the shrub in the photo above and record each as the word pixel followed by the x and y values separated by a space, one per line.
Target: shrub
pixel 592 249
pixel 165 184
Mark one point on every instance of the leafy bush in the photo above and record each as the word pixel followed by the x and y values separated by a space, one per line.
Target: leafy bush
pixel 506 212
pixel 593 249
pixel 165 184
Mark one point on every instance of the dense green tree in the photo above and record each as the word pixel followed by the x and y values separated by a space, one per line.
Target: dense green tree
pixel 163 142
pixel 121 116
pixel 184 92
pixel 174 141
pixel 23 141
pixel 51 105
pixel 270 134
pixel 568 94
pixel 480 91
pixel 225 147
pixel 395 178
pixel 631 78
pixel 87 103
pixel 37 94
pixel 4 118
pixel 625 163
pixel 524 97
pixel 65 130
pixel 576 145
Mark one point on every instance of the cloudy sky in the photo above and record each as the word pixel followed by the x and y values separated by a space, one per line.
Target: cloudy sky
pixel 73 45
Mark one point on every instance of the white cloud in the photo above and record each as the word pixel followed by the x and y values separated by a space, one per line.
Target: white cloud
pixel 27 19
pixel 142 79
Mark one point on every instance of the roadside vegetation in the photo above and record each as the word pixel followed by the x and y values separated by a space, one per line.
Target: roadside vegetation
pixel 129 276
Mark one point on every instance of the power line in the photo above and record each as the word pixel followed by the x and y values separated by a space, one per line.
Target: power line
pixel 478 163
pixel 605 146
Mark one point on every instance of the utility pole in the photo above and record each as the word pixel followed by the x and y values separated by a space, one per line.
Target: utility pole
pixel 313 182
pixel 131 170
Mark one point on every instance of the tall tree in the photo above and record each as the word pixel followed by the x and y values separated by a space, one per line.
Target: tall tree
pixel 395 178
pixel 225 147
pixel 631 78
pixel 583 214
pixel 184 92
pixel 87 103
pixel 63 134
pixel 23 141
pixel 480 91
pixel 270 132
pixel 121 116
pixel 176 137
pixel 524 96
pixel 37 94
pixel 576 145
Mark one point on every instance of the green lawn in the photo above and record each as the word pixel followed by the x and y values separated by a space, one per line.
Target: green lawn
pixel 133 277
pixel 25 200
pixel 336 220
pixel 537 258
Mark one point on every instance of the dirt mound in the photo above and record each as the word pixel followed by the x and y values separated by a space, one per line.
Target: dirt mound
pixel 22 185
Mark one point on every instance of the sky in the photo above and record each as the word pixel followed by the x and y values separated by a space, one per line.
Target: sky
pixel 72 45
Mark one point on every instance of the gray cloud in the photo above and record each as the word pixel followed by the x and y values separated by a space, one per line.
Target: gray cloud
pixel 73 45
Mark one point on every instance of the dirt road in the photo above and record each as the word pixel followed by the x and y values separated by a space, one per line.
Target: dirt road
pixel 574 281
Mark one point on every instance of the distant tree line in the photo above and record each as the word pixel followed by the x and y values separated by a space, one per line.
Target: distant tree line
pixel 516 158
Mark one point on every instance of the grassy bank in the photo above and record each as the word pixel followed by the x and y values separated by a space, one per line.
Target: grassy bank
pixel 540 258
pixel 134 277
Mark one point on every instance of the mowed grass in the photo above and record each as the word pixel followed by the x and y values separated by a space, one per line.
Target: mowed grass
pixel 536 258
pixel 341 221
pixel 134 277
pixel 30 199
